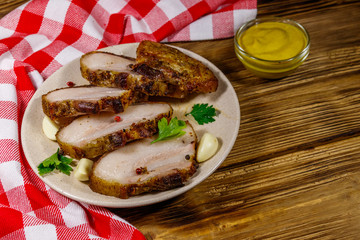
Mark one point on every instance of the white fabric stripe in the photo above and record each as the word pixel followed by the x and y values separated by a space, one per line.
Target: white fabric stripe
pixel 73 215
pixel 202 28
pixel 5 32
pixel 139 26
pixel 37 41
pixel 92 28
pixel 7 61
pixel 40 232
pixel 171 8
pixel 242 16
pixel 112 6
pixel 56 10
pixel 93 236
pixel 8 93
pixel 10 175
pixel 9 129
pixel 36 78
pixel 67 54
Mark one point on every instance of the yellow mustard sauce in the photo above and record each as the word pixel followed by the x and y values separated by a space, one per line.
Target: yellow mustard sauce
pixel 273 41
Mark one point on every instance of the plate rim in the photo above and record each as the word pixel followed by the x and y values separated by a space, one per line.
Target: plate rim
pixel 123 203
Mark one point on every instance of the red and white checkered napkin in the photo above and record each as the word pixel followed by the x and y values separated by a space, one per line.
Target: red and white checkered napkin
pixel 41 36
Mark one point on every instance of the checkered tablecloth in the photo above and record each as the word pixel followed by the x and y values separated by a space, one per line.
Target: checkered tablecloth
pixel 41 36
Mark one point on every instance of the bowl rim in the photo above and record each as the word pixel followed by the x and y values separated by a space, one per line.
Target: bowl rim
pixel 256 21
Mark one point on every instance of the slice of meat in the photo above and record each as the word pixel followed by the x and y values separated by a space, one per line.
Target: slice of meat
pixel 159 70
pixel 141 167
pixel 91 136
pixel 186 73
pixel 74 101
pixel 108 69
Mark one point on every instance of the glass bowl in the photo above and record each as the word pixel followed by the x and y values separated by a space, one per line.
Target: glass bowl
pixel 264 67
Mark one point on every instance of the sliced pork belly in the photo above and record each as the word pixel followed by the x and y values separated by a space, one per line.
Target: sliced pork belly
pixel 186 73
pixel 91 136
pixel 107 69
pixel 81 100
pixel 159 70
pixel 144 167
pixel 110 70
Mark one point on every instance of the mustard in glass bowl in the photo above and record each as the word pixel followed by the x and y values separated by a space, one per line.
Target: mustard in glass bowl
pixel 272 47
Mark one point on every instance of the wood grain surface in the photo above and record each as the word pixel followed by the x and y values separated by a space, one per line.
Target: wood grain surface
pixel 8 5
pixel 294 172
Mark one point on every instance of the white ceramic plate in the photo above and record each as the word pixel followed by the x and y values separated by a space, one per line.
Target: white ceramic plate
pixel 37 147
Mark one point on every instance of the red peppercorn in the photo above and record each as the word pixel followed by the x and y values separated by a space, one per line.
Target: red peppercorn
pixel 70 84
pixel 138 171
pixel 117 118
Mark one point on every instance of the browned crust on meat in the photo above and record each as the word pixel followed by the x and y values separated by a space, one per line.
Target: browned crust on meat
pixel 151 86
pixel 187 73
pixel 173 180
pixel 110 142
pixel 160 70
pixel 101 77
pixel 176 178
pixel 70 108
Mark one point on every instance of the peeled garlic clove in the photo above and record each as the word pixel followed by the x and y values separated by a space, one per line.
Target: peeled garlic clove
pixel 83 169
pixel 207 147
pixel 49 128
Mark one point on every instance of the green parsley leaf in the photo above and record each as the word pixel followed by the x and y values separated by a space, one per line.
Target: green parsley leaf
pixel 64 168
pixel 203 113
pixel 171 130
pixel 55 161
pixel 52 160
pixel 64 159
pixel 44 170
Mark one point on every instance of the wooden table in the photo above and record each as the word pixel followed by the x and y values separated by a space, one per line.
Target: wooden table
pixel 294 172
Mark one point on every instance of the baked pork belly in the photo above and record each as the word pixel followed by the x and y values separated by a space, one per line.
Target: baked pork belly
pixel 159 70
pixel 141 167
pixel 108 69
pixel 91 136
pixel 179 70
pixel 81 100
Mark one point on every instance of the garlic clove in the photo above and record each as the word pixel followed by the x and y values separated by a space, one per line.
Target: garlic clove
pixel 207 147
pixel 82 170
pixel 50 128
